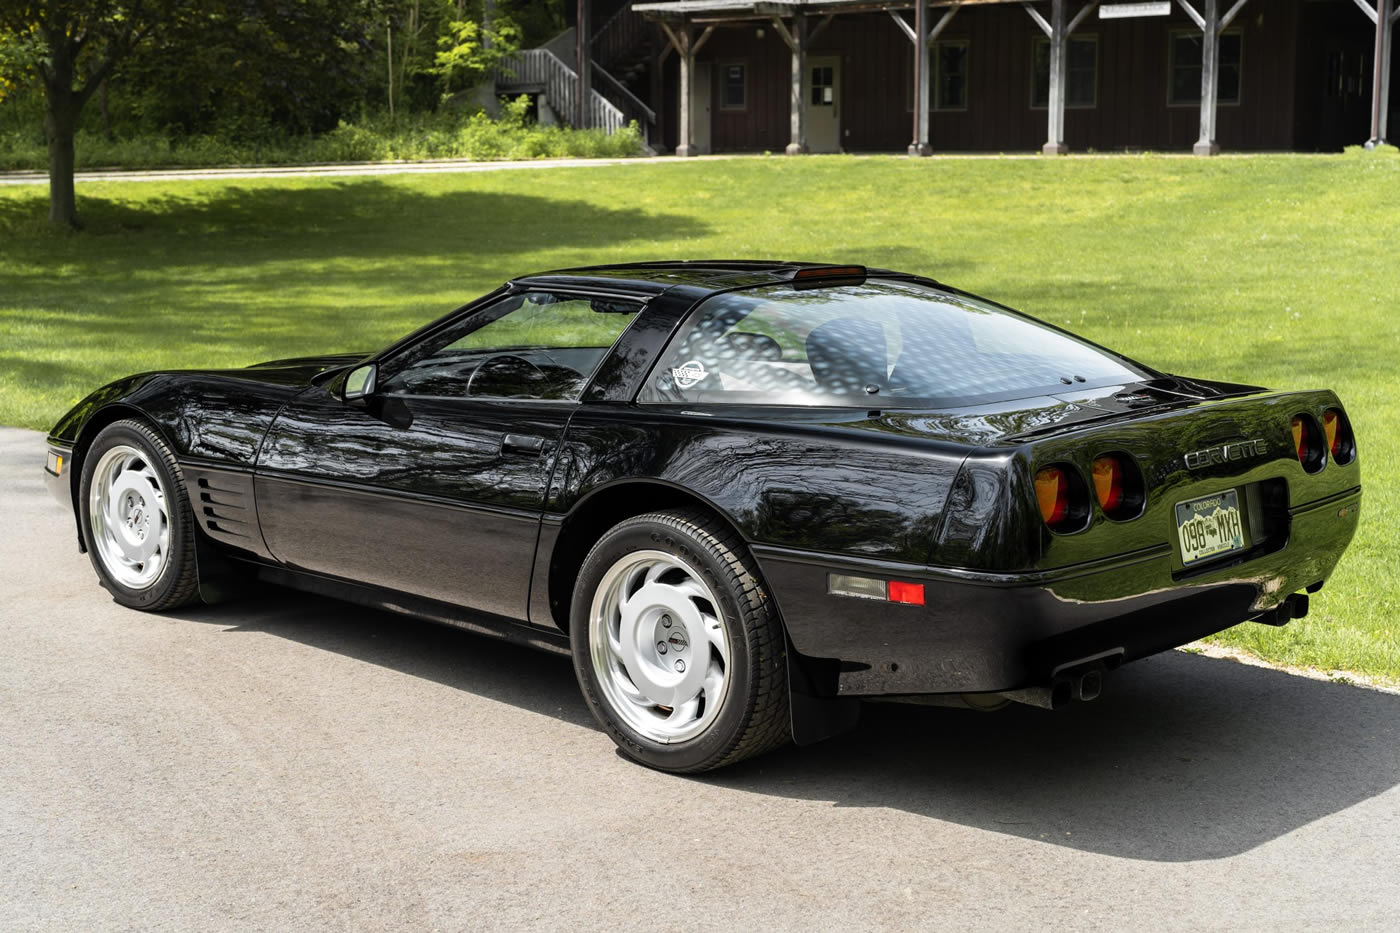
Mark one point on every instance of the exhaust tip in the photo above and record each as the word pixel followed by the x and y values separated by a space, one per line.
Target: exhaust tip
pixel 1088 686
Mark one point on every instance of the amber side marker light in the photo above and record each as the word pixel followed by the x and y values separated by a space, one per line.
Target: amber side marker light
pixel 1340 443
pixel 1307 443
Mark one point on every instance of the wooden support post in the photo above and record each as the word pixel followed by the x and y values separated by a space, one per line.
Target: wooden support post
pixel 796 39
pixel 1055 118
pixel 1210 78
pixel 1380 85
pixel 920 145
pixel 585 69
pixel 686 46
pixel 680 40
pixel 1387 5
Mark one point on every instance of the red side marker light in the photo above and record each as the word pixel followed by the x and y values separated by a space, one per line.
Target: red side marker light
pixel 910 593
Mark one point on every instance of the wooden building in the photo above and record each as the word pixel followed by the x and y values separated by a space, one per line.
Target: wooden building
pixel 1012 75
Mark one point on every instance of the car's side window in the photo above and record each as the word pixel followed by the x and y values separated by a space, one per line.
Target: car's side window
pixel 532 345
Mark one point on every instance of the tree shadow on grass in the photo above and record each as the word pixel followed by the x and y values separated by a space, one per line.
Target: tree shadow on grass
pixel 1185 758
pixel 364 218
pixel 231 275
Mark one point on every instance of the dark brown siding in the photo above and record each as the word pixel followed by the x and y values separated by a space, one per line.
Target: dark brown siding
pixel 1131 113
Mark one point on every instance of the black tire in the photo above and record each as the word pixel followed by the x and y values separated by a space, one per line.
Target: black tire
pixel 753 717
pixel 176 583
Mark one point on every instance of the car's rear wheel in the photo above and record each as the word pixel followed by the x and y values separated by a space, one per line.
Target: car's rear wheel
pixel 677 647
pixel 136 519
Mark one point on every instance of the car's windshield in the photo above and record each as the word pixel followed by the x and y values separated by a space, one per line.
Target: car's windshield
pixel 879 343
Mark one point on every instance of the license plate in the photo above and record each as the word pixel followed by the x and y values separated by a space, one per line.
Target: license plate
pixel 1209 526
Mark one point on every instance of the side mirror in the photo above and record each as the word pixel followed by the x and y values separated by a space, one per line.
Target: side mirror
pixel 360 382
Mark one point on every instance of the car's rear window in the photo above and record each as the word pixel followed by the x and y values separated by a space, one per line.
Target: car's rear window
pixel 879 343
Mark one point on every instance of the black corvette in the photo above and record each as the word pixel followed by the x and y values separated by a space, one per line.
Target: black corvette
pixel 741 494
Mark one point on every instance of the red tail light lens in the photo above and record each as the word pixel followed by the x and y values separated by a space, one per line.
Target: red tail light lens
pixel 1340 443
pixel 1052 492
pixel 1307 443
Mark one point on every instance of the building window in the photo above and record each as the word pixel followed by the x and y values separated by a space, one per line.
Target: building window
pixel 950 75
pixel 1081 72
pixel 732 91
pixel 1184 57
pixel 823 92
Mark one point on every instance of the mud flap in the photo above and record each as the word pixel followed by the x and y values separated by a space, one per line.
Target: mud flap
pixel 219 580
pixel 815 718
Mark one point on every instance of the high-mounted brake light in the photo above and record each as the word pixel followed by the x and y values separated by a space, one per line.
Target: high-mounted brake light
pixel 822 276
pixel 829 272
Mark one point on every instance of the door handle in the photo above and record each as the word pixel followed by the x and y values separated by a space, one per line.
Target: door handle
pixel 522 444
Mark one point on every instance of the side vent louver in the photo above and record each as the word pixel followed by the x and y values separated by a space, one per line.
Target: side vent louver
pixel 223 510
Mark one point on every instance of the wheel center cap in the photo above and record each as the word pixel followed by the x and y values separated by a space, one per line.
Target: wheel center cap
pixel 678 641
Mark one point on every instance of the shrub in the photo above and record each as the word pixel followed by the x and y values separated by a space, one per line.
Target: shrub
pixel 374 139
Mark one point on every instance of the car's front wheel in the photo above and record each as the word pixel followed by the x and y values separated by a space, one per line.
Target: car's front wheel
pixel 136 519
pixel 677 647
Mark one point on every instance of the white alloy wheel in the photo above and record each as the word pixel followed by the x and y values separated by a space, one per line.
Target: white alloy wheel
pixel 659 646
pixel 130 520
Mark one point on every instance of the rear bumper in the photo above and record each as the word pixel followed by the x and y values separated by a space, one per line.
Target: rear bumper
pixel 980 632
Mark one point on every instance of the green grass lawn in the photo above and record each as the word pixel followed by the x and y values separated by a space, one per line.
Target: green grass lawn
pixel 1278 270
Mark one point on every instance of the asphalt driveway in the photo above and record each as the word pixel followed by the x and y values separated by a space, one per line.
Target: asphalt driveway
pixel 285 762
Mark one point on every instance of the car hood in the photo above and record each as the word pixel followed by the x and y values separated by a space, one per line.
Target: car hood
pixel 298 370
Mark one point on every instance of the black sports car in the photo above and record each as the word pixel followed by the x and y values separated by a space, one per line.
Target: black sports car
pixel 741 494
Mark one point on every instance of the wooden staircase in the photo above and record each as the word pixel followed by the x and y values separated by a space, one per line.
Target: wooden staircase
pixel 623 50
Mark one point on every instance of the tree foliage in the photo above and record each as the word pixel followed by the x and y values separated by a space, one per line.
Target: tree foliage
pixel 245 70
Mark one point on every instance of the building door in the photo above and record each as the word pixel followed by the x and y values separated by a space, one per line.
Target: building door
pixel 700 107
pixel 1346 93
pixel 824 103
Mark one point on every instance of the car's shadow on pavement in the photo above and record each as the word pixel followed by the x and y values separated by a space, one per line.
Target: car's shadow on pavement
pixel 1184 758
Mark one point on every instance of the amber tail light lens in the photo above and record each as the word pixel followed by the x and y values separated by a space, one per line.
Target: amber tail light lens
pixel 1108 483
pixel 1308 443
pixel 1118 486
pixel 1340 443
pixel 1064 503
pixel 1052 491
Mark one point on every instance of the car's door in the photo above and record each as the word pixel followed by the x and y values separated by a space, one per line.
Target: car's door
pixel 433 484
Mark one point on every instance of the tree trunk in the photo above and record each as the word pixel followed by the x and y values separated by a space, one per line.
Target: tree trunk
pixel 59 126
pixel 61 106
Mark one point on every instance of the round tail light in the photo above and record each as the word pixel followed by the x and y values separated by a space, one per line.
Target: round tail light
pixel 1341 445
pixel 1118 486
pixel 1308 443
pixel 1064 502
